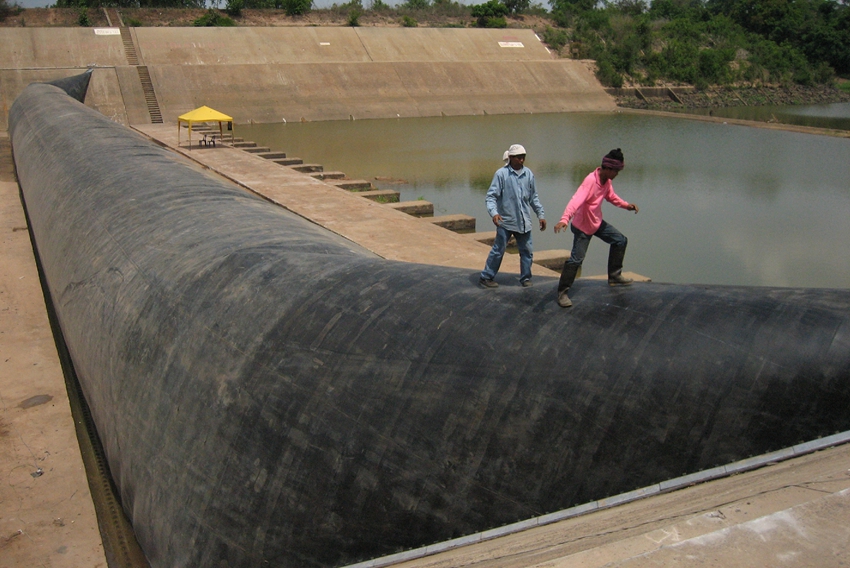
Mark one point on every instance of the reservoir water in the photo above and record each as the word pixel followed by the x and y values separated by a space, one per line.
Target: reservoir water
pixel 719 203
pixel 833 115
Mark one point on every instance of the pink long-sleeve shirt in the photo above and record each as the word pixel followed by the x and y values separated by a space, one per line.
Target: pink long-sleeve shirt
pixel 585 208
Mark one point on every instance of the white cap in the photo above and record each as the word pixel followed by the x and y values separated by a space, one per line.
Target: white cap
pixel 514 150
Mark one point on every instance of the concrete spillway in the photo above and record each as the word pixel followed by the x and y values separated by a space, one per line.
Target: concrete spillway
pixel 301 73
pixel 268 392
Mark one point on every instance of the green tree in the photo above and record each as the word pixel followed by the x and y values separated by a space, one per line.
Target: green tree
pixel 213 19
pixel 354 17
pixel 416 4
pixel 5 10
pixel 555 38
pixel 820 29
pixel 573 6
pixel 606 73
pixel 490 14
pixel 234 8
pixel 296 7
pixel 517 6
pixel 630 7
pixel 83 18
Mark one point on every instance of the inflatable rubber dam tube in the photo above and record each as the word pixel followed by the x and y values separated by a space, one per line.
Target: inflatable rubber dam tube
pixel 268 393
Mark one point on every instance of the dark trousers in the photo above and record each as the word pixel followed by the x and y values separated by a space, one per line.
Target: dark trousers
pixel 494 259
pixel 609 234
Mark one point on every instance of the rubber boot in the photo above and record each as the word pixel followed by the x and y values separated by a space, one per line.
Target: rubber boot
pixel 615 267
pixel 568 276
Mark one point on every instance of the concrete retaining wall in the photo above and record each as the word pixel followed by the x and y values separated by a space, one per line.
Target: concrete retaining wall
pixel 52 48
pixel 304 73
pixel 339 91
pixel 106 94
pixel 260 46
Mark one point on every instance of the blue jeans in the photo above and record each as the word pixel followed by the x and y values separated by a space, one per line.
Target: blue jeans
pixel 581 241
pixel 494 260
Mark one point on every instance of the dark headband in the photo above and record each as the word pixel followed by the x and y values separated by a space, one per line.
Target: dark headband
pixel 612 164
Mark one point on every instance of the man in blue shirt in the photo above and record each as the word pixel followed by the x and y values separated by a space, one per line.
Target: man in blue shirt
pixel 509 201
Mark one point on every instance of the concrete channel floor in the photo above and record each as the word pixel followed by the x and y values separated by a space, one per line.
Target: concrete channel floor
pixel 794 513
pixel 47 517
pixel 791 514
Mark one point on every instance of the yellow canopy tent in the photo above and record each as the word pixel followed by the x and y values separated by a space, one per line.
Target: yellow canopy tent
pixel 201 114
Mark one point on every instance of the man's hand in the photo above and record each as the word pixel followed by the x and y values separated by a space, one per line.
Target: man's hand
pixel 633 207
pixel 542 224
pixel 561 227
pixel 497 219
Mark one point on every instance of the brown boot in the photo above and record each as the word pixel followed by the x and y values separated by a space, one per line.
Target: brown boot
pixel 619 280
pixel 615 267
pixel 568 276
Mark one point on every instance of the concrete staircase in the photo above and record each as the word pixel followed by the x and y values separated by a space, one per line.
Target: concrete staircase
pixel 133 59
pixel 129 46
pixel 150 95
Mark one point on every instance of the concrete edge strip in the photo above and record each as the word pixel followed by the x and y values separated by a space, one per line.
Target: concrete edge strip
pixel 663 487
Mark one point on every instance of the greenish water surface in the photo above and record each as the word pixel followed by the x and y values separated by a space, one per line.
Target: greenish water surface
pixel 833 115
pixel 719 203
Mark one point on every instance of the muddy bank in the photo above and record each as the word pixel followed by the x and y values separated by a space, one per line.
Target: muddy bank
pixel 715 97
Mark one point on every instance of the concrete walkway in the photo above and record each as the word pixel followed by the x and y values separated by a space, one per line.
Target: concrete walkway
pixel 791 514
pixel 46 513
pixel 386 232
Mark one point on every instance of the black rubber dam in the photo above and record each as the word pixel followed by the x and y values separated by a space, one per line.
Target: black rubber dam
pixel 269 394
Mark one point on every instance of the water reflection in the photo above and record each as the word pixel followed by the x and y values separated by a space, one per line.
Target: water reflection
pixel 719 203
pixel 834 115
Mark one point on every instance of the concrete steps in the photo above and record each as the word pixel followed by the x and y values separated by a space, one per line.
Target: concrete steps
pixel 552 259
pixel 489 237
pixel 289 161
pixel 328 175
pixel 308 168
pixel 150 95
pixel 353 184
pixel 458 223
pixel 418 208
pixel 363 188
pixel 380 195
pixel 272 155
pixel 127 40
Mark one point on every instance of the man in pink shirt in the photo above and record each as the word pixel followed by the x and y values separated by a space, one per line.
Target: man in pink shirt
pixel 585 212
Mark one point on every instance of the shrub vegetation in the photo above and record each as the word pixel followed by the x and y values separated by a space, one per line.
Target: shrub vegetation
pixel 710 42
pixel 213 18
pixel 491 14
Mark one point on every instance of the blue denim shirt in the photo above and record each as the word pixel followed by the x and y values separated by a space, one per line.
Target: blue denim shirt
pixel 512 195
